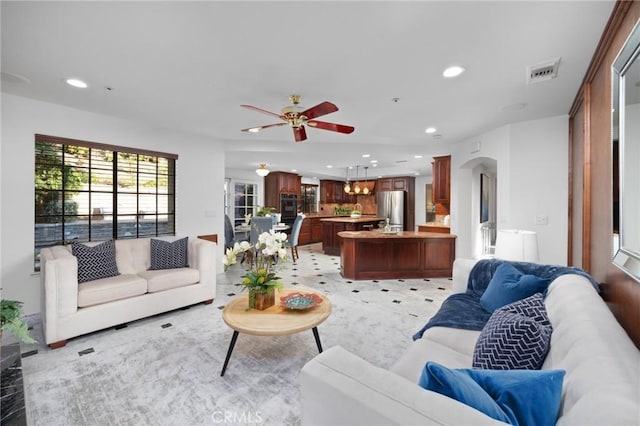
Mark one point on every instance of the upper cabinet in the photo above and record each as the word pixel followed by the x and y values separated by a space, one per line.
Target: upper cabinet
pixel 401 183
pixel 441 179
pixel 278 183
pixel 332 191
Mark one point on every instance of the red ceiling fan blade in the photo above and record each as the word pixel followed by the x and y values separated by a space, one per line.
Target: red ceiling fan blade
pixel 258 128
pixel 264 111
pixel 340 128
pixel 299 133
pixel 319 110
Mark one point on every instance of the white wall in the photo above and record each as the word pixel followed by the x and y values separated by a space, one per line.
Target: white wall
pixel 532 170
pixel 199 183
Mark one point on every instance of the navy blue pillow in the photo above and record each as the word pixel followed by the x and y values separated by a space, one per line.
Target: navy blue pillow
pixel 518 397
pixel 95 262
pixel 516 336
pixel 509 285
pixel 169 255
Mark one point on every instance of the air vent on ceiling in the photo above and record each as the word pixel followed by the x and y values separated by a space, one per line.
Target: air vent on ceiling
pixel 543 72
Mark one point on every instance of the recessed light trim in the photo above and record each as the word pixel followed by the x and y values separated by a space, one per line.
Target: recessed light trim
pixel 417 156
pixel 430 130
pixel 374 161
pixel 329 166
pixel 75 82
pixel 453 71
pixel 366 155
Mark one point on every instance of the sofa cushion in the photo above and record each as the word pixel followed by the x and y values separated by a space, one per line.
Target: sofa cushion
pixel 169 255
pixel 110 289
pixel 512 340
pixel 95 262
pixel 522 397
pixel 509 285
pixel 166 279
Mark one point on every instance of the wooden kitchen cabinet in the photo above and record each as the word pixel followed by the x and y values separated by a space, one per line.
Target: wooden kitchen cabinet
pixel 278 183
pixel 441 187
pixel 311 231
pixel 401 183
pixel 332 191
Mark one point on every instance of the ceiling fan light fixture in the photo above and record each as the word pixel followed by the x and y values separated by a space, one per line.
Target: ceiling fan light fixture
pixel 262 170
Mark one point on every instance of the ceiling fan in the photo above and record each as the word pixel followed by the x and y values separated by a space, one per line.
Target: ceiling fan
pixel 294 117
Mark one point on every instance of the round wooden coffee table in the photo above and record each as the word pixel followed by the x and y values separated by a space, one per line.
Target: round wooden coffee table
pixel 273 321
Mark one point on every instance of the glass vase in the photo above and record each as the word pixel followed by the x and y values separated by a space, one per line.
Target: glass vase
pixel 261 299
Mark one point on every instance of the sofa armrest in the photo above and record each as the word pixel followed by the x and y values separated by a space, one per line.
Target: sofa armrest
pixel 461 269
pixel 59 278
pixel 202 256
pixel 340 388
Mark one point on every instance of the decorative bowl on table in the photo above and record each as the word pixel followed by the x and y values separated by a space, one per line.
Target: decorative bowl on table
pixel 300 301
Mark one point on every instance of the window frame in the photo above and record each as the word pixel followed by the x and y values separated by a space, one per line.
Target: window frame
pixel 56 191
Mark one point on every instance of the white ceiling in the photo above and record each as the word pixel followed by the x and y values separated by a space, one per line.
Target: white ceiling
pixel 190 65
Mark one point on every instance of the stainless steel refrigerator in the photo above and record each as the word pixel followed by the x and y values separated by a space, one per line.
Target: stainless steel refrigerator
pixel 392 205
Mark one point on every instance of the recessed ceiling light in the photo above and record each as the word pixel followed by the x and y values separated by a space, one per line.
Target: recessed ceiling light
pixel 76 83
pixel 430 130
pixel 366 155
pixel 329 166
pixel 374 165
pixel 417 173
pixel 453 71
pixel 374 161
pixel 417 156
pixel 294 170
pixel 254 129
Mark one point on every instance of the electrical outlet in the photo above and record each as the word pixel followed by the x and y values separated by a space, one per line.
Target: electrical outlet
pixel 541 220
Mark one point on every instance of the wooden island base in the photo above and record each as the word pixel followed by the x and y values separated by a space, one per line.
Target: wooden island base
pixel 370 255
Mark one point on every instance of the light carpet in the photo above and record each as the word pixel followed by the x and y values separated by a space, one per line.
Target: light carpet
pixel 165 370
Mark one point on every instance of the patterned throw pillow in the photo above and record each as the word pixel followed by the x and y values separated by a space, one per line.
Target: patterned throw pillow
pixel 169 255
pixel 95 262
pixel 517 336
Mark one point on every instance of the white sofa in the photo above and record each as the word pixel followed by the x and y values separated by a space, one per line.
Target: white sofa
pixel 601 385
pixel 70 310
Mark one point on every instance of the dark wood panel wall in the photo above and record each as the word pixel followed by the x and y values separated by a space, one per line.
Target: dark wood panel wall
pixel 590 179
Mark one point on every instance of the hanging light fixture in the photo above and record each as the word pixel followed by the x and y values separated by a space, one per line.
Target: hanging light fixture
pixel 347 187
pixel 365 191
pixel 357 188
pixel 262 170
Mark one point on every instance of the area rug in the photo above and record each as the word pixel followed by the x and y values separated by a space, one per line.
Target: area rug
pixel 165 370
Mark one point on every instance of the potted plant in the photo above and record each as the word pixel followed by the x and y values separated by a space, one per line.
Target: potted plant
pixel 10 320
pixel 264 211
pixel 261 279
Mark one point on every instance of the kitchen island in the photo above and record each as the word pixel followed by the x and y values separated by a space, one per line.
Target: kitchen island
pixel 333 225
pixel 371 255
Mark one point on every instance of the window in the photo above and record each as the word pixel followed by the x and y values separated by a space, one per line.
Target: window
pixel 245 200
pixel 86 191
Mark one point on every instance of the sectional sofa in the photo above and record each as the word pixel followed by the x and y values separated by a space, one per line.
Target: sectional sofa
pixel 601 365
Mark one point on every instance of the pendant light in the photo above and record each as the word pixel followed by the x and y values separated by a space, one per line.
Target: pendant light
pixel 262 170
pixel 347 187
pixel 357 188
pixel 365 191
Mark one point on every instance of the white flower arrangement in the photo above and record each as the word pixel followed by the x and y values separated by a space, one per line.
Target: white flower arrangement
pixel 267 253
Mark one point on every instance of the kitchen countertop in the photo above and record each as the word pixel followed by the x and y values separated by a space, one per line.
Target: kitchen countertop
pixel 348 219
pixel 396 235
pixel 437 224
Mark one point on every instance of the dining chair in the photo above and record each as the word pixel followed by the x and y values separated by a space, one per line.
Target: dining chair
pixel 293 238
pixel 259 224
pixel 229 234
